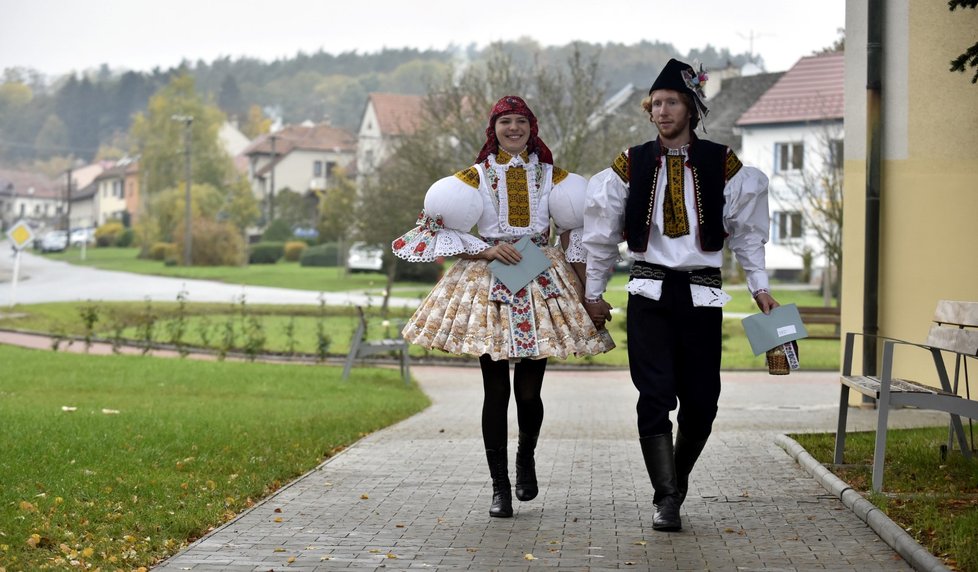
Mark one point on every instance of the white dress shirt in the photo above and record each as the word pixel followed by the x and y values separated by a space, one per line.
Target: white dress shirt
pixel 745 219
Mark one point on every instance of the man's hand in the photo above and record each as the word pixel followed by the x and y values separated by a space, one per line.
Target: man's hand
pixel 765 302
pixel 599 311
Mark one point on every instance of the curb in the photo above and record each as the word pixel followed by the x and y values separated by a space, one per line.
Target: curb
pixel 910 550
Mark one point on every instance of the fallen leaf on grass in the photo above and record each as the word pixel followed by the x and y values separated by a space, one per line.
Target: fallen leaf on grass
pixel 26 506
pixel 68 408
pixel 110 411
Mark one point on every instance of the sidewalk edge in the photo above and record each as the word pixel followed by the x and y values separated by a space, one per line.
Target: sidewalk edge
pixel 919 558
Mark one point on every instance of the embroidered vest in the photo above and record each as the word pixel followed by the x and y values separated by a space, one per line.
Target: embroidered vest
pixel 711 171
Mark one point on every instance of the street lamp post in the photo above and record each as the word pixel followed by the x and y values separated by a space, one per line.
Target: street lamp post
pixel 187 234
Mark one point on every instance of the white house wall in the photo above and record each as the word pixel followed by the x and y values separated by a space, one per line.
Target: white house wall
pixel 370 141
pixel 758 150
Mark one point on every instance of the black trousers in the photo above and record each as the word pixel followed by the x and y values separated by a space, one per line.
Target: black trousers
pixel 674 357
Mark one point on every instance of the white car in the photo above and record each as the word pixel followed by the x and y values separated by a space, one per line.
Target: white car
pixel 364 257
pixel 81 236
pixel 54 241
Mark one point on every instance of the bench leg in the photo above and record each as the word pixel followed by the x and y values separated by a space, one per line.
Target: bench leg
pixel 350 358
pixel 840 432
pixel 405 366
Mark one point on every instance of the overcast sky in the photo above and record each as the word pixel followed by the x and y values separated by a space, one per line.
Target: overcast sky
pixel 58 36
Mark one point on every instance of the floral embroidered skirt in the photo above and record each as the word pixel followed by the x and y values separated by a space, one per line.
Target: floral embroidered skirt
pixel 462 315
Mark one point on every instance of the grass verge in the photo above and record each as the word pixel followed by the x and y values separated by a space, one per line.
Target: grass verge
pixel 932 496
pixel 118 462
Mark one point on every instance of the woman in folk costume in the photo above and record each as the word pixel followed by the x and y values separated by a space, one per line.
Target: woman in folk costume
pixel 507 194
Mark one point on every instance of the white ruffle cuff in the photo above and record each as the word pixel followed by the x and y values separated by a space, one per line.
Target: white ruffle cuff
pixel 430 240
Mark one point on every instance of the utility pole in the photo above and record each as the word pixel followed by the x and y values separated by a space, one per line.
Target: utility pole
pixel 68 207
pixel 271 185
pixel 187 231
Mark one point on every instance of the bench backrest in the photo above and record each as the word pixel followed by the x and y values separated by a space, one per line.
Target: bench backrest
pixel 955 327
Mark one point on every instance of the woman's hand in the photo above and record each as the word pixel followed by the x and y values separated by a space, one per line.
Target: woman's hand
pixel 503 252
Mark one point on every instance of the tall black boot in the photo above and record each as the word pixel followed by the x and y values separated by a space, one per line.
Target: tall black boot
pixel 661 465
pixel 526 468
pixel 502 494
pixel 687 452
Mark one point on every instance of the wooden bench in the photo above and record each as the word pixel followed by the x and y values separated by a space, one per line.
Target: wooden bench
pixel 361 347
pixel 822 315
pixel 954 334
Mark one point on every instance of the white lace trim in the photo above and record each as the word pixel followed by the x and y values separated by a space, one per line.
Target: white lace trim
pixel 702 296
pixel 575 250
pixel 445 242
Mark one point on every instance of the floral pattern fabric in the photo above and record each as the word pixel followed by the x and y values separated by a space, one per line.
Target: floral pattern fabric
pixel 459 316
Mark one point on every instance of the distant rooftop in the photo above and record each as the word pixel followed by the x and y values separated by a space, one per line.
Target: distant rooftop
pixel 397 114
pixel 811 90
pixel 736 95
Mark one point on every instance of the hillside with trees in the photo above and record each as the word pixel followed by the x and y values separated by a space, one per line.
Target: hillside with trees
pixel 48 123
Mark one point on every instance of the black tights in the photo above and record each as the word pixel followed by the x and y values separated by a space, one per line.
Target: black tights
pixel 527 382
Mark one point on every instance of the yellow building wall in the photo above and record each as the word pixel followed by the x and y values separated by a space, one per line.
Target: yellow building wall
pixel 929 190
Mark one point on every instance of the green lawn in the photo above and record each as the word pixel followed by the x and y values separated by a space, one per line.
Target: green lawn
pixel 339 325
pixel 935 499
pixel 117 462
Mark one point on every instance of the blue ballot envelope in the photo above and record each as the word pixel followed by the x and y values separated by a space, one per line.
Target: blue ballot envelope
pixel 766 331
pixel 532 262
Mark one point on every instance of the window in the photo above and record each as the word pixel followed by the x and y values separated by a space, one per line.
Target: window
pixel 836 154
pixel 317 168
pixel 787 226
pixel 788 157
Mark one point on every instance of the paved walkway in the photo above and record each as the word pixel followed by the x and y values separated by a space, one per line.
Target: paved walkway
pixel 416 494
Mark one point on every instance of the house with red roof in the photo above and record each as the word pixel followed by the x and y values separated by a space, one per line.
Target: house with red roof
pixel 386 118
pixel 300 158
pixel 794 134
pixel 32 197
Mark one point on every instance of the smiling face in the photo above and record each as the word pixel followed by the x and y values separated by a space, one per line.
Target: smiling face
pixel 671 115
pixel 512 132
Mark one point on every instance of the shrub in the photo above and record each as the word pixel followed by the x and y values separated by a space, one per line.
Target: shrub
pixel 162 251
pixel 125 238
pixel 325 254
pixel 294 250
pixel 277 231
pixel 106 234
pixel 428 272
pixel 266 252
pixel 214 243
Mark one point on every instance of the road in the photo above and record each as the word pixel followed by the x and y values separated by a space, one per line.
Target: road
pixel 45 280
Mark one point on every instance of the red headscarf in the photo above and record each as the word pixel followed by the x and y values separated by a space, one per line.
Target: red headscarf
pixel 507 105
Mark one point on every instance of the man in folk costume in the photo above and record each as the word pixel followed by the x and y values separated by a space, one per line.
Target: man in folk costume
pixel 675 200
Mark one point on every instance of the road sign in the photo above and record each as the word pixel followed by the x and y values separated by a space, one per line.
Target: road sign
pixel 20 235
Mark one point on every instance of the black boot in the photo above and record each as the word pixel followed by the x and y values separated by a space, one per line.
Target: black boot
pixel 502 494
pixel 687 451
pixel 526 471
pixel 661 465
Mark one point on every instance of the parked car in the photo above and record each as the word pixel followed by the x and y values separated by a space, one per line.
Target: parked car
pixel 365 257
pixel 81 236
pixel 54 241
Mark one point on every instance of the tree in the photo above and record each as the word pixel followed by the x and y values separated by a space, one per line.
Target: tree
pixel 255 123
pixel 159 139
pixel 229 97
pixel 968 58
pixel 336 208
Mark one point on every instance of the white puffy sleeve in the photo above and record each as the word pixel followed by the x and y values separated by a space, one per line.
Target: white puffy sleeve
pixel 604 221
pixel 567 201
pixel 451 208
pixel 747 223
